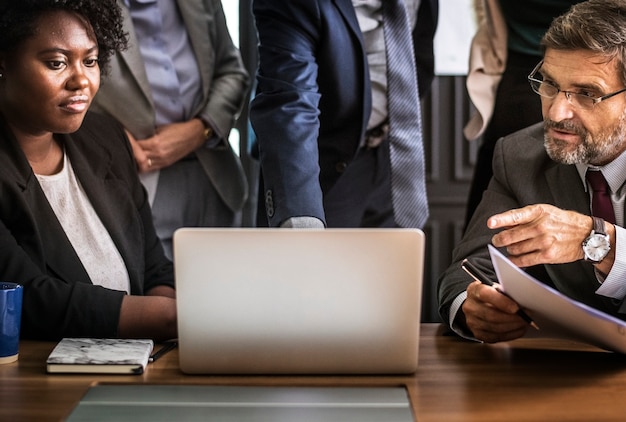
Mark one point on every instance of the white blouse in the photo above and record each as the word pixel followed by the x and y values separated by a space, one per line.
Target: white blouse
pixel 85 231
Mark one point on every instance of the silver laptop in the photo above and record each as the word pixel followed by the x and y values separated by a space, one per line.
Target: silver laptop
pixel 284 301
pixel 154 403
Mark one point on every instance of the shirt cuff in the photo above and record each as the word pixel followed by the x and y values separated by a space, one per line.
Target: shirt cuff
pixel 614 285
pixel 303 223
pixel 454 310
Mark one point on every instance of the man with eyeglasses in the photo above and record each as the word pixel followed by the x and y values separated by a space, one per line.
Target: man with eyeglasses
pixel 543 207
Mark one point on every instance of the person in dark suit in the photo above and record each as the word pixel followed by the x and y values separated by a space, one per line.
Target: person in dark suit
pixel 177 90
pixel 504 51
pixel 75 224
pixel 539 208
pixel 319 113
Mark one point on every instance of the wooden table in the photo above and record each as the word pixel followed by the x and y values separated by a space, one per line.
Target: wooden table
pixel 528 379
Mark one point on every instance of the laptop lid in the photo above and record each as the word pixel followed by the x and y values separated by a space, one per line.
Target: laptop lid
pixel 152 403
pixel 284 301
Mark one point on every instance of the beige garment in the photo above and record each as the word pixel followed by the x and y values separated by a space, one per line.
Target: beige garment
pixel 487 61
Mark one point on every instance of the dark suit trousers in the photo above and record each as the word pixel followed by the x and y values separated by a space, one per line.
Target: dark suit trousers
pixel 360 198
pixel 362 195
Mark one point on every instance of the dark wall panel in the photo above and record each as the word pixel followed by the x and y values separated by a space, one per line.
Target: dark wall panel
pixel 449 164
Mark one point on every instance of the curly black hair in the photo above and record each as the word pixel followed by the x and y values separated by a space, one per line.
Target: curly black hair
pixel 18 20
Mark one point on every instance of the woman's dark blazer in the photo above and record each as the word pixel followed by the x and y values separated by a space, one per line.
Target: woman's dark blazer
pixel 59 298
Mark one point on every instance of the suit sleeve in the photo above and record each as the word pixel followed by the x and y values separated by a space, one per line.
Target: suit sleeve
pixel 499 197
pixel 284 112
pixel 53 307
pixel 230 79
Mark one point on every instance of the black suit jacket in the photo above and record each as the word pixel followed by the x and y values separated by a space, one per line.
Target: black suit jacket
pixel 524 174
pixel 59 298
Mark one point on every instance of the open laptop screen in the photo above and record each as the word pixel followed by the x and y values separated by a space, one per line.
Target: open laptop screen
pixel 271 301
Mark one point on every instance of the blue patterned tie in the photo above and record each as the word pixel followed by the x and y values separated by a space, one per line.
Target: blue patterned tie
pixel 408 186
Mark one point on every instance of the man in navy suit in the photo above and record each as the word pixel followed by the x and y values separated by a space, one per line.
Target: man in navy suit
pixel 320 112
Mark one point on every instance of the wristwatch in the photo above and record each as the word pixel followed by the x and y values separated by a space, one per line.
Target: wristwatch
pixel 597 246
pixel 208 129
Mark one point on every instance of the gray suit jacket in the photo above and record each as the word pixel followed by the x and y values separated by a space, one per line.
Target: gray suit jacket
pixel 125 92
pixel 525 175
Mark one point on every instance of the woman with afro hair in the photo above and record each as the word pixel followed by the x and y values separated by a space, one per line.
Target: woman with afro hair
pixel 75 224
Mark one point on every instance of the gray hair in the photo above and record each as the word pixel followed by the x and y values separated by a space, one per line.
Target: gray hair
pixel 594 25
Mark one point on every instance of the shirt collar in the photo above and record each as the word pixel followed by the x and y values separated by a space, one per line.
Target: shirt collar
pixel 614 172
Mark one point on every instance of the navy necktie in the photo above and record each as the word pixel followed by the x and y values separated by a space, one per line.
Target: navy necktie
pixel 601 205
pixel 406 150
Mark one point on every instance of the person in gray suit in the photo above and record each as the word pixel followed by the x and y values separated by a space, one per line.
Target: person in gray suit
pixel 539 209
pixel 177 91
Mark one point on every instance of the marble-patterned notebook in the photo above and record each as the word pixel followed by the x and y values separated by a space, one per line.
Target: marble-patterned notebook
pixel 100 355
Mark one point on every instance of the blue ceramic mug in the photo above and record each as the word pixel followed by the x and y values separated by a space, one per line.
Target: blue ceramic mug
pixel 10 320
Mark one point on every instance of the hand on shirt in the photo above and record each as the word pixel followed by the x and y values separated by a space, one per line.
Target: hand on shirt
pixel 169 144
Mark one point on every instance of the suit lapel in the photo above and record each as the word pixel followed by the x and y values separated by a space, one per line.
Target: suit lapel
pixel 57 251
pixel 198 22
pixel 574 198
pixel 132 56
pixel 48 246
pixel 580 277
pixel 92 163
pixel 346 9
pixel 46 243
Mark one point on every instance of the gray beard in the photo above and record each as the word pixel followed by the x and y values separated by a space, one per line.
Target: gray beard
pixel 599 151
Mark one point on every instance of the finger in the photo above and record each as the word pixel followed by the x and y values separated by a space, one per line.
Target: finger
pixel 144 164
pixel 515 217
pixel 487 300
pixel 488 323
pixel 495 334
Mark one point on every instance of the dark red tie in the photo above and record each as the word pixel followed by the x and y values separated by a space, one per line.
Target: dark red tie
pixel 601 205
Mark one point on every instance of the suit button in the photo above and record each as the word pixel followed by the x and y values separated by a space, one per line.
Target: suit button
pixel 269 203
pixel 341 166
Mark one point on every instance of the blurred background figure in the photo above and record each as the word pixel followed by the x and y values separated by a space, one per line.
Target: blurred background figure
pixel 178 90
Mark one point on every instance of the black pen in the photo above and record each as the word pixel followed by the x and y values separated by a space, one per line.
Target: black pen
pixel 478 275
pixel 163 350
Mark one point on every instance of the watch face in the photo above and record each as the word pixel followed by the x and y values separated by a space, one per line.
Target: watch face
pixel 596 247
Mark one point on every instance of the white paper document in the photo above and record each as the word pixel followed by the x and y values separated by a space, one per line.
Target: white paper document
pixel 556 314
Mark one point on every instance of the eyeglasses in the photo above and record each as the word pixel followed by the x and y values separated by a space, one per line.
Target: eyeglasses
pixel 580 100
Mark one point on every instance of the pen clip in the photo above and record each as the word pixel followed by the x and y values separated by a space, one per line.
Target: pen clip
pixel 476 273
pixel 468 271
